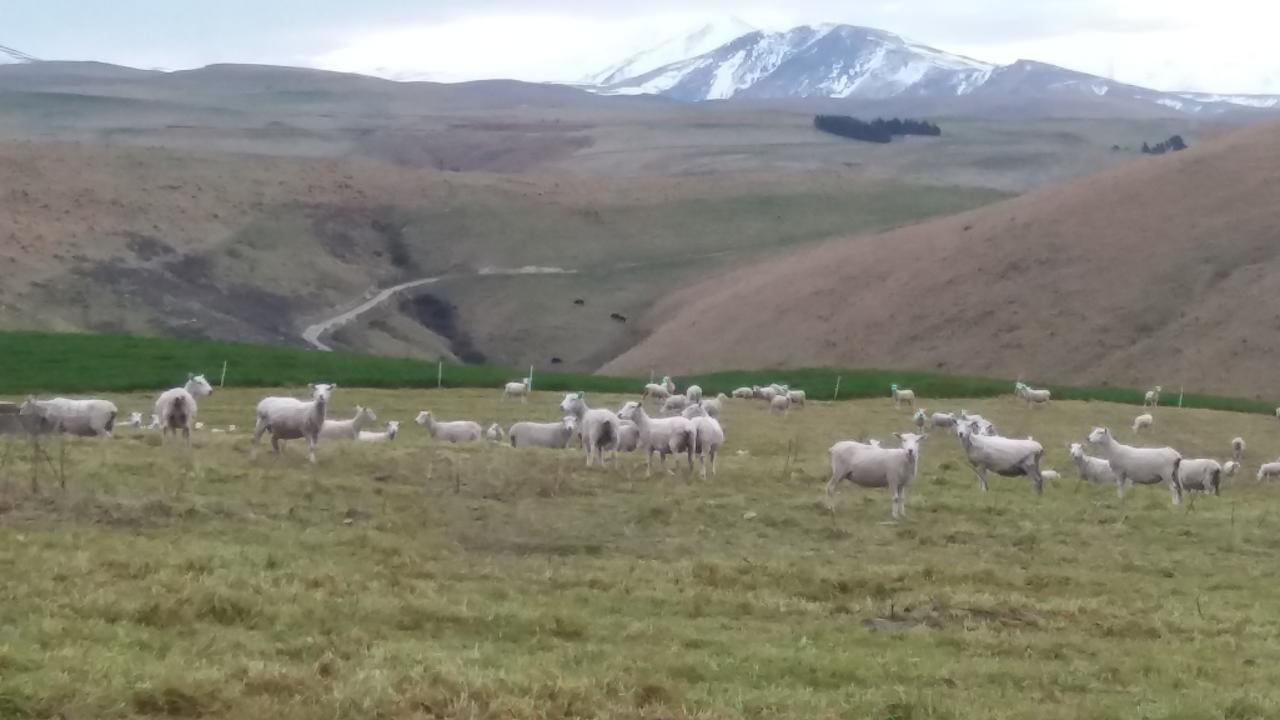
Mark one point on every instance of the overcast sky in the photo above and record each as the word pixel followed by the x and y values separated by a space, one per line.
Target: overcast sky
pixel 1223 46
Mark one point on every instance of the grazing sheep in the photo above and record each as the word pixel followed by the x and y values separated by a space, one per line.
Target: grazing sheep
pixel 675 404
pixel 797 397
pixel 453 431
pixel 1237 449
pixel 494 433
pixel 942 420
pixel 1145 466
pixel 745 393
pixel 665 436
pixel 871 466
pixel 1144 421
pixel 177 408
pixel 348 429
pixel 85 418
pixel 1152 398
pixel 519 388
pixel 901 395
pixel 708 437
pixel 628 436
pixel 1092 469
pixel 1031 395
pixel 388 435
pixel 290 418
pixel 780 404
pixel 554 435
pixel 694 393
pixel 1006 457
pixel 1230 468
pixel 13 422
pixel 598 428
pixel 656 391
pixel 1201 474
pixel 919 419
pixel 1268 470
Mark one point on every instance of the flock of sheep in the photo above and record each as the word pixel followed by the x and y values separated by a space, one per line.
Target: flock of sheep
pixel 688 425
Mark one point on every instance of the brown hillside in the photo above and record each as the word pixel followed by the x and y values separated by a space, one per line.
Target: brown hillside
pixel 1162 271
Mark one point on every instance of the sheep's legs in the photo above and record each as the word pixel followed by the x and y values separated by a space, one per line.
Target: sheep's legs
pixel 311 449
pixel 832 485
pixel 1120 486
pixel 899 499
pixel 1036 478
pixel 258 428
pixel 981 472
pixel 1175 489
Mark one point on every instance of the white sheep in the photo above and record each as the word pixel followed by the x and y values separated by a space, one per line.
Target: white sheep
pixel 348 429
pixel 942 420
pixel 744 393
pixel 708 438
pixel 494 433
pixel 1230 468
pixel 1006 457
pixel 134 421
pixel 1268 470
pixel 694 393
pixel 453 431
pixel 1202 474
pixel 669 384
pixel 1145 466
pixel 1152 398
pixel 664 436
pixel 713 406
pixel 767 394
pixel 780 404
pixel 1237 449
pixel 598 428
pixel 628 436
pixel 1144 421
pixel 177 407
pixel 871 466
pixel 1050 475
pixel 1091 469
pixel 901 395
pixel 797 397
pixel 982 425
pixel 519 388
pixel 84 418
pixel 675 404
pixel 289 418
pixel 554 435
pixel 155 422
pixel 388 435
pixel 656 391
pixel 1030 394
pixel 919 419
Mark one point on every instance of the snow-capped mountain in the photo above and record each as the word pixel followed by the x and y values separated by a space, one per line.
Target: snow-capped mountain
pixel 700 40
pixel 9 56
pixel 844 61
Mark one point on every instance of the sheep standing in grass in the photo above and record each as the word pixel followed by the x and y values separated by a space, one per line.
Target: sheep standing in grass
pixel 942 420
pixel 1092 469
pixel 1237 449
pixel 1144 421
pixel 1268 470
pixel 453 431
pixel 1230 468
pixel 1006 457
pixel 767 394
pixel 656 391
pixel 708 437
pixel 1152 398
pixel 713 406
pixel 598 428
pixel 871 466
pixel 902 395
pixel 290 418
pixel 1030 395
pixel 982 425
pixel 780 404
pixel 84 418
pixel 177 408
pixel 628 436
pixel 494 433
pixel 1200 474
pixel 545 435
pixel 348 429
pixel 1145 466
pixel 675 404
pixel 517 389
pixel 919 419
pixel 797 397
pixel 744 393
pixel 664 436
pixel 388 435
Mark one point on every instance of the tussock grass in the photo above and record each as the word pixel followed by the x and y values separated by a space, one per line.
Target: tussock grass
pixel 424 581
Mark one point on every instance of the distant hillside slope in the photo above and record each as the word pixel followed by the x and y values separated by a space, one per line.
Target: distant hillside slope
pixel 1163 271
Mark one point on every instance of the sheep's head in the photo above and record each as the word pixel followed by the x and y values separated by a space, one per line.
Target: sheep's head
pixel 29 407
pixel 424 418
pixel 393 426
pixel 570 423
pixel 1076 450
pixel 1230 468
pixel 1099 435
pixel 628 411
pixel 572 401
pixel 321 392
pixel 893 388
pixel 366 414
pixel 911 442
pixel 197 385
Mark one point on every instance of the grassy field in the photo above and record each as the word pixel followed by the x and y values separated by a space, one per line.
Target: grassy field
pixel 415 580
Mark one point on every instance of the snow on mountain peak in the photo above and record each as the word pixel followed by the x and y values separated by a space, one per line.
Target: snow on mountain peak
pixel 701 40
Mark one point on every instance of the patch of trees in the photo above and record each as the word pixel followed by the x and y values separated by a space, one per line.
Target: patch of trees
pixel 1173 144
pixel 877 131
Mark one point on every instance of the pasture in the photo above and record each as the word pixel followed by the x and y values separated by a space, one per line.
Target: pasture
pixel 415 580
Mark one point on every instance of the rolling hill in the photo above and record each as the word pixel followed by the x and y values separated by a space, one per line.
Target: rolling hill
pixel 1164 271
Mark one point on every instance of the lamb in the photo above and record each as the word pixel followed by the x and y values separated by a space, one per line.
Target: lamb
pixel 1144 421
pixel 656 391
pixel 547 435
pixel 134 421
pixel 744 393
pixel 675 404
pixel 1268 470
pixel 1091 469
pixel 290 418
pixel 454 431
pixel 942 420
pixel 872 467
pixel 901 395
pixel 348 429
pixel 665 436
pixel 694 393
pixel 84 418
pixel 919 419
pixel 780 404
pixel 1202 474
pixel 598 428
pixel 1146 466
pixel 1237 449
pixel 1049 475
pixel 177 408
pixel 1230 468
pixel 494 433
pixel 388 435
pixel 1152 398
pixel 1031 395
pixel 1005 456
pixel 708 437
pixel 519 388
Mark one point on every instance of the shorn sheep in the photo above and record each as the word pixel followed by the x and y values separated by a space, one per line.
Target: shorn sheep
pixel 1091 469
pixel 664 436
pixel 1268 470
pixel 919 419
pixel 1031 395
pixel 1200 474
pixel 713 406
pixel 554 435
pixel 744 393
pixel 599 428
pixel 656 391
pixel 675 404
pixel 453 431
pixel 628 436
pixel 84 418
pixel 797 397
pixel 1145 466
pixel 708 438
pixel 348 429
pixel 177 408
pixel 1144 421
pixel 902 395
pixel 1006 457
pixel 519 388
pixel 1230 468
pixel 289 418
pixel 1152 398
pixel 387 435
pixel 494 433
pixel 942 420
pixel 1237 449
pixel 871 466
pixel 780 403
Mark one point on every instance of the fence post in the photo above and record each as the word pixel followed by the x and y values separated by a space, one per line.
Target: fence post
pixel 1180 389
pixel 530 378
pixel 439 374
pixel 836 396
pixel 223 381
